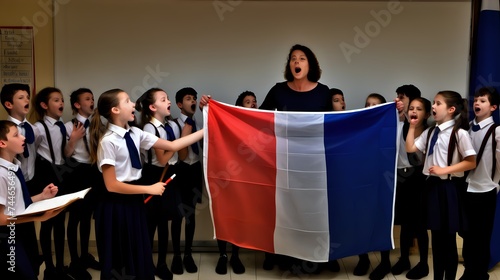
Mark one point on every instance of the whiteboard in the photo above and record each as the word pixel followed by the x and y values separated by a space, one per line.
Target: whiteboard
pixel 223 48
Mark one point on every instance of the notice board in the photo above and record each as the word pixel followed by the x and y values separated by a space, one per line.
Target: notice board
pixel 17 56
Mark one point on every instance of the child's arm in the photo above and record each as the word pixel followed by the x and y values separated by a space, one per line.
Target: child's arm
pixel 184 152
pixel 77 134
pixel 48 192
pixel 410 138
pixel 466 164
pixel 6 220
pixel 113 185
pixel 179 143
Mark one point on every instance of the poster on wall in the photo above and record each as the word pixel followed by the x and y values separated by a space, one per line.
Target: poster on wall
pixel 17 56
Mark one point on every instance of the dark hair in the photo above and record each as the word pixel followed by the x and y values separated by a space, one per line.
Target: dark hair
pixel 5 126
pixel 491 93
pixel 427 106
pixel 239 100
pixel 73 98
pixel 454 99
pixel 179 96
pixel 334 91
pixel 43 96
pixel 410 91
pixel 314 69
pixel 8 92
pixel 142 105
pixel 106 102
pixel 378 96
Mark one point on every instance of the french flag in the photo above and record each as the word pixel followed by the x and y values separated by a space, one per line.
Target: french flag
pixel 315 186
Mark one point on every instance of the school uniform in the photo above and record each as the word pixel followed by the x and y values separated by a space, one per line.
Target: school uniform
pixel 189 186
pixel 82 175
pixel 24 235
pixel 445 210
pixel 480 203
pixel 50 168
pixel 121 226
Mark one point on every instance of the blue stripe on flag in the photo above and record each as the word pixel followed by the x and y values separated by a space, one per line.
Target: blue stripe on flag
pixel 360 150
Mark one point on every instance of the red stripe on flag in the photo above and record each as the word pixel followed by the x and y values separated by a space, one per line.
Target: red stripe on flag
pixel 241 174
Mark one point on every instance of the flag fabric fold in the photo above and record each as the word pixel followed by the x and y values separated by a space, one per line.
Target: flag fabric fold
pixel 316 186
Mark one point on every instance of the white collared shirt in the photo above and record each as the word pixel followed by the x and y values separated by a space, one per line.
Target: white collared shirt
pixel 80 154
pixel 479 179
pixel 56 138
pixel 27 164
pixel 440 155
pixel 192 158
pixel 8 178
pixel 163 134
pixel 113 150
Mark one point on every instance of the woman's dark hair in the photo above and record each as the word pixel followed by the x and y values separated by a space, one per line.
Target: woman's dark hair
pixel 378 96
pixel 314 69
pixel 239 100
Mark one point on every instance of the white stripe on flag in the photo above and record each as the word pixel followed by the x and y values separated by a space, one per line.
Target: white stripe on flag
pixel 301 187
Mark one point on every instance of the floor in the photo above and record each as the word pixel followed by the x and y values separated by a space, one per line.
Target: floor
pixel 253 263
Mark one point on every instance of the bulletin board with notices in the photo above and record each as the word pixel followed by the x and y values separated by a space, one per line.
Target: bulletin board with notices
pixel 17 57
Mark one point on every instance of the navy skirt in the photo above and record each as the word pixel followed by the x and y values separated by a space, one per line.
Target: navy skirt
pixel 445 204
pixel 122 238
pixel 164 206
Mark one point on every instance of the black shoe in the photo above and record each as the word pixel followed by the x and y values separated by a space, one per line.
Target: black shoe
pixel 189 264
pixel 90 262
pixel 380 271
pixel 62 274
pixel 362 266
pixel 221 267
pixel 177 265
pixel 268 262
pixel 78 272
pixel 163 272
pixel 50 273
pixel 418 272
pixel 333 266
pixel 237 265
pixel 401 266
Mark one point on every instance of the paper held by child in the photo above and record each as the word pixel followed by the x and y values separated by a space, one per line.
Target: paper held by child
pixel 54 203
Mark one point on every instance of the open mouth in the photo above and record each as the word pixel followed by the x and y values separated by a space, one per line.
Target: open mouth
pixel 91 107
pixel 297 70
pixel 413 117
pixel 27 106
pixel 168 108
pixel 61 109
pixel 193 107
pixel 343 107
pixel 477 109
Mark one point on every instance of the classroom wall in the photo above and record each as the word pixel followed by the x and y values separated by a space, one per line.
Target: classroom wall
pixel 225 47
pixel 39 15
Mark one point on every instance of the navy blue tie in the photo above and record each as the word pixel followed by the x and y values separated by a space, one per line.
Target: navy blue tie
pixel 30 137
pixel 24 187
pixel 132 150
pixel 86 123
pixel 62 128
pixel 194 146
pixel 433 140
pixel 170 132
pixel 476 127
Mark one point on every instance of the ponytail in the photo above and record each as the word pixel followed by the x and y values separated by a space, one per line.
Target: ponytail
pixel 96 131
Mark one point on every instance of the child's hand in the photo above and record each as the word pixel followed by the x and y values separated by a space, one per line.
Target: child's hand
pixel 78 131
pixel 204 101
pixel 156 189
pixel 49 191
pixel 437 170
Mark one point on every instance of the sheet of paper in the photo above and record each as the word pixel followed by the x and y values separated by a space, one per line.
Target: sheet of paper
pixel 54 203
